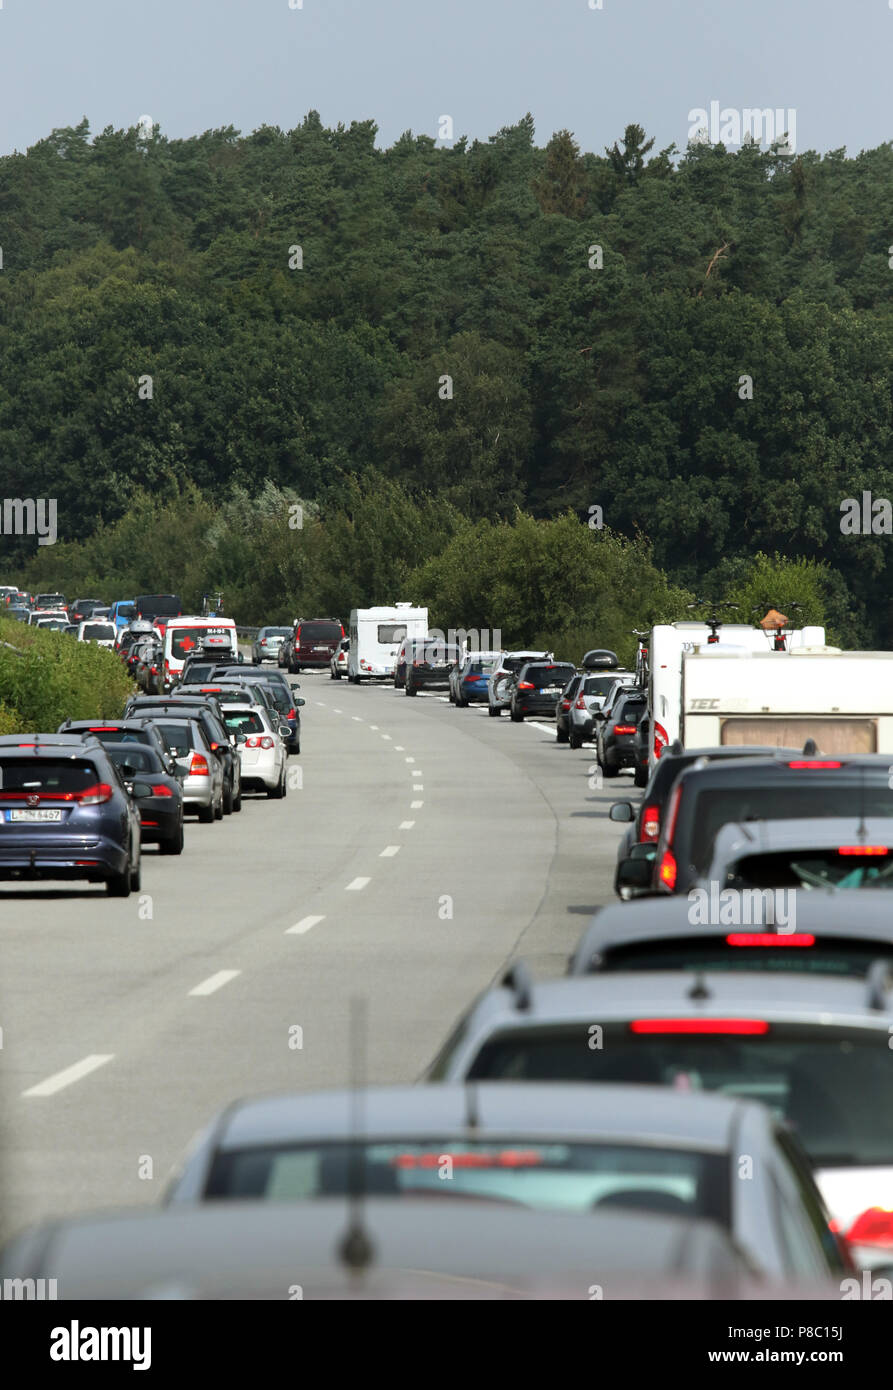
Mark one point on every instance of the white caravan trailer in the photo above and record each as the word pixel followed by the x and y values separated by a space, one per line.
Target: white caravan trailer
pixel 671 646
pixel 375 637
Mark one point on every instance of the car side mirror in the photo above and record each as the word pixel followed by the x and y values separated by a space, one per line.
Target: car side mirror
pixel 138 789
pixel 241 658
pixel 284 731
pixel 300 701
pixel 635 873
pixel 240 738
pixel 599 714
pixel 622 811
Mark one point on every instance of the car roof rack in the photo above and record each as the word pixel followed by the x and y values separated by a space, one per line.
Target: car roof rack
pixel 520 981
pixel 878 981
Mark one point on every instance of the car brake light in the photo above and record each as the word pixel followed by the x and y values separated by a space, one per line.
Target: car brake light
pixel 263 641
pixel 736 1026
pixel 291 714
pixel 668 870
pixel 161 790
pixel 526 685
pixel 651 823
pixel 624 728
pixel 811 763
pixel 863 849
pixel 580 702
pixel 93 796
pixel 199 766
pixel 872 1227
pixel 768 938
pixel 661 739
pixel 471 677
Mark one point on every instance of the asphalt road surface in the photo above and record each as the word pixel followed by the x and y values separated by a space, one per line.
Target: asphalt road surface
pixel 425 847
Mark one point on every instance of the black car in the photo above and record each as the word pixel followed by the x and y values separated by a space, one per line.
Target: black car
pixel 66 813
pixel 537 688
pixel 563 706
pixel 198 669
pixel 704 798
pixel 431 667
pixel 617 730
pixel 641 748
pixel 158 794
pixel 82 609
pixel 207 711
pixel 121 731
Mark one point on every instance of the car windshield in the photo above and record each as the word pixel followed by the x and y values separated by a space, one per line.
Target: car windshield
pixel 832 1084
pixel 24 776
pixel 547 1175
pixel 244 721
pixel 808 799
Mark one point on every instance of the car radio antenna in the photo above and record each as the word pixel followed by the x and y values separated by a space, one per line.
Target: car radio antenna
pixel 356 1249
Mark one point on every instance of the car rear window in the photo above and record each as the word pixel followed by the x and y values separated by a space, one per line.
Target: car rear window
pixel 814 868
pixel 185 639
pixel 828 955
pixel 119 735
pixel 179 737
pixel 707 809
pixel 99 632
pixel 565 1176
pixel 142 759
pixel 244 721
pixel 832 1084
pixel 275 632
pixel 633 707
pixel 438 653
pixel 548 675
pixel 319 632
pixel 391 632
pixel 21 776
pixel 597 685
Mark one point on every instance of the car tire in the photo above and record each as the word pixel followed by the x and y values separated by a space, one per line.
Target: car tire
pixel 516 717
pixel 409 689
pixel 205 814
pixel 493 711
pixel 118 885
pixel 218 809
pixel 460 703
pixel 174 844
pixel 228 799
pixel 610 771
pixel 136 876
pixel 561 736
pixel 574 739
pixel 278 792
pixel 640 777
pixel 237 800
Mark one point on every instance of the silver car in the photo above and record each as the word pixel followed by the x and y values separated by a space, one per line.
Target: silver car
pixel 201 771
pixel 499 689
pixel 266 644
pixel 340 659
pixel 590 696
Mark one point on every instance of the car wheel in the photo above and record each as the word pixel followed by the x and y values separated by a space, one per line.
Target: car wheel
pixel 409 689
pixel 574 739
pixel 228 799
pixel 136 876
pixel 640 778
pixel 118 885
pixel 561 736
pixel 494 712
pixel 610 771
pixel 460 703
pixel 278 792
pixel 515 715
pixel 205 814
pixel 174 845
pixel 218 809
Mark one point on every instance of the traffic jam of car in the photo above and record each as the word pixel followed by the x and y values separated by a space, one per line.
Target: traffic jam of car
pixel 704 1095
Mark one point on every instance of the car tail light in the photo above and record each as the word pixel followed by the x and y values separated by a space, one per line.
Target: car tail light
pixel 651 823
pixel 768 938
pixel 199 766
pixel 624 728
pixel 93 796
pixel 660 739
pixel 292 714
pixel 565 704
pixel 731 1026
pixel 526 685
pixel 801 764
pixel 472 677
pixel 153 670
pixel 161 790
pixel 668 871
pixel 259 741
pixel 263 641
pixel 872 1227
pixel 580 702
pixel 149 822
pixel 863 849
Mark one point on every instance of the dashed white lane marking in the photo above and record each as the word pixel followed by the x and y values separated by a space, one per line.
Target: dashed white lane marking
pixel 398 748
pixel 356 884
pixel 356 719
pixel 409 760
pixel 337 711
pixel 417 787
pixel 215 982
pixel 416 805
pixel 389 851
pixel 60 1079
pixel 304 925
pixel 406 825
pixel 387 737
pixel 374 726
pixel 322 703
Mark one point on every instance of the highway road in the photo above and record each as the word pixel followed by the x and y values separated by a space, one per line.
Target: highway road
pixel 425 848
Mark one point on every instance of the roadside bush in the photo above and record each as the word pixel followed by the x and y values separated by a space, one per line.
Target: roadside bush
pixel 51 677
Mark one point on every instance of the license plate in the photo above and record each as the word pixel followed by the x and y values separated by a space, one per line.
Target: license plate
pixel 320 649
pixel 551 690
pixel 34 817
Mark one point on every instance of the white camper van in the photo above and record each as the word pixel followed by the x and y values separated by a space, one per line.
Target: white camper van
pixel 375 637
pixel 672 646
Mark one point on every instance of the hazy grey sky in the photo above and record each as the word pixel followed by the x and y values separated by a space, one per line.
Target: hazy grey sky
pixel 196 64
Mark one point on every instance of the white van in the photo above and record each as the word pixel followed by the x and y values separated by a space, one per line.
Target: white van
pixel 183 636
pixel 376 635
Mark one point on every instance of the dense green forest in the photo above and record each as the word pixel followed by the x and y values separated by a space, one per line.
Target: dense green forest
pixel 298 299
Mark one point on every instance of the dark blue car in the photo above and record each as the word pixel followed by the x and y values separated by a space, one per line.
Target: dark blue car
pixel 470 679
pixel 66 813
